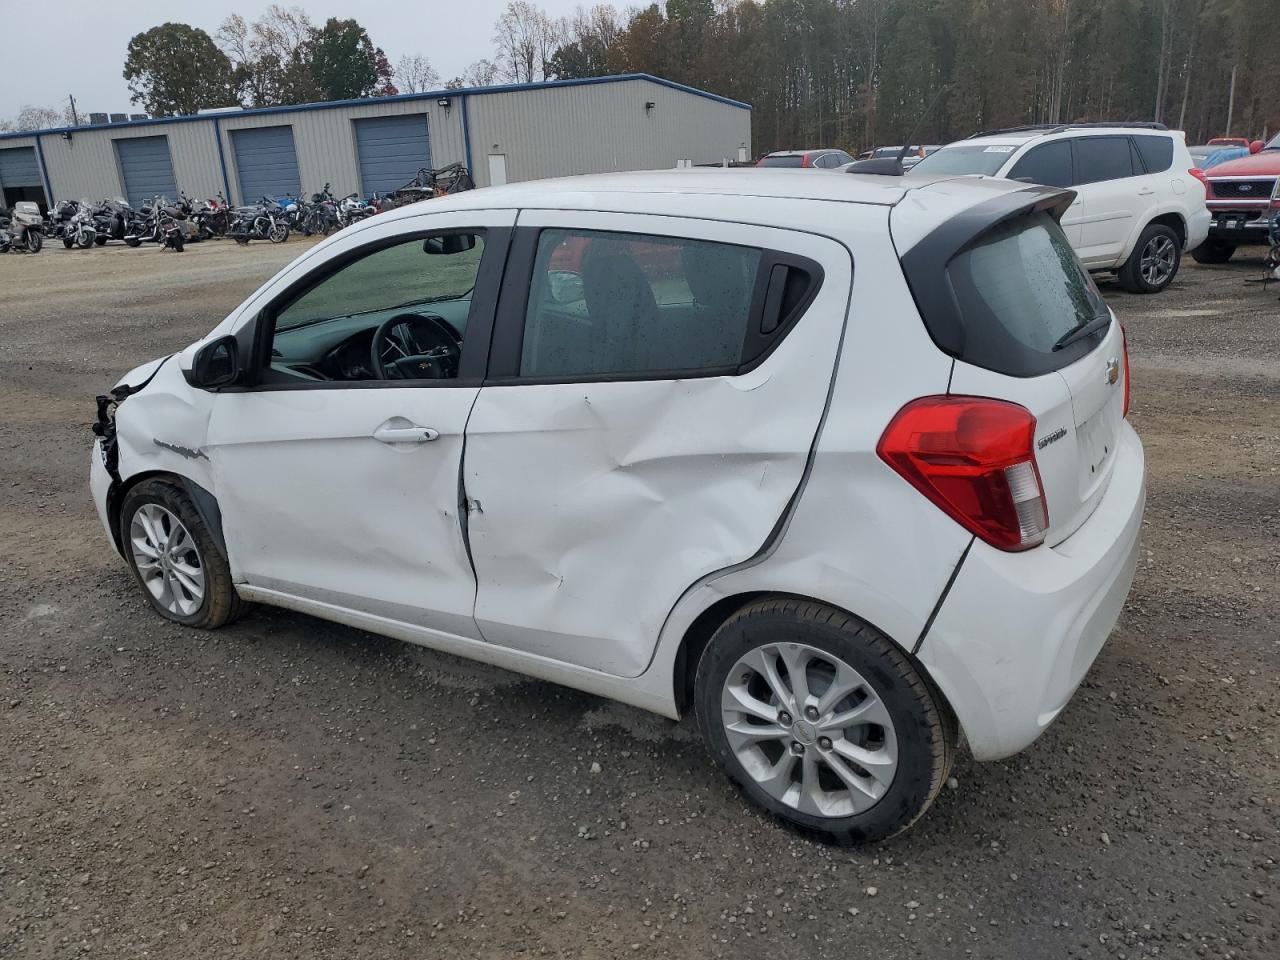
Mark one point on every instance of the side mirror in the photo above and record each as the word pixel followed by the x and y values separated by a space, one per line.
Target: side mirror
pixel 449 243
pixel 1256 146
pixel 216 364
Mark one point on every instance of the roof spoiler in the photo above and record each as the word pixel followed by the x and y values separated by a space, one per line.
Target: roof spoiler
pixel 880 166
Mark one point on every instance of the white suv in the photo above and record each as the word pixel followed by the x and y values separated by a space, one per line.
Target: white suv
pixel 1137 206
pixel 831 463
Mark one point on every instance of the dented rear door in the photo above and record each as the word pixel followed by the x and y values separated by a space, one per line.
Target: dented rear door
pixel 649 412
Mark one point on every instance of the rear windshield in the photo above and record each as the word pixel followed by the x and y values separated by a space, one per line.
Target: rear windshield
pixel 984 158
pixel 1021 290
pixel 793 161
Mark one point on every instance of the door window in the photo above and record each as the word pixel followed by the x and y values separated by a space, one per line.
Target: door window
pixel 1049 164
pixel 606 304
pixel 1103 158
pixel 411 299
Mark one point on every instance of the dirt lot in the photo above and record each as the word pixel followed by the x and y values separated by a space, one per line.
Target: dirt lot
pixel 290 788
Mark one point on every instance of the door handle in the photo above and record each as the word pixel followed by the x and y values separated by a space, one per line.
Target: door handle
pixel 405 434
pixel 1145 192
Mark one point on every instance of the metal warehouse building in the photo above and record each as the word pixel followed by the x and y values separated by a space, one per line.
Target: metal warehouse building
pixel 503 133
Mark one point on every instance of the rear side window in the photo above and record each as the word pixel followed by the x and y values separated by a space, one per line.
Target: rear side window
pixel 606 304
pixel 1020 290
pixel 1049 164
pixel 1103 158
pixel 793 161
pixel 1156 152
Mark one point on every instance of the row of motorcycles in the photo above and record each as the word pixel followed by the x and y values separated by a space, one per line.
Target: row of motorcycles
pixel 83 224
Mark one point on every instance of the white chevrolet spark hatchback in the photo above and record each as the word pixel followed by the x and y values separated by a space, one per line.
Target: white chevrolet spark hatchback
pixel 838 464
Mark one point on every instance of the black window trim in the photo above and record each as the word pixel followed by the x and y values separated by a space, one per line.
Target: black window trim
pixel 1134 153
pixel 254 338
pixel 507 343
pixel 1071 159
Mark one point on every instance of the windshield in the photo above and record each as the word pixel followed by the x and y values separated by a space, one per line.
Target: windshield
pixel 961 158
pixel 1274 144
pixel 790 161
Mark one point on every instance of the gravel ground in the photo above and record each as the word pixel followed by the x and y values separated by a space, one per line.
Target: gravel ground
pixel 292 788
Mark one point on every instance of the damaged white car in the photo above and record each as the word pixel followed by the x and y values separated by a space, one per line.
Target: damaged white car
pixel 838 464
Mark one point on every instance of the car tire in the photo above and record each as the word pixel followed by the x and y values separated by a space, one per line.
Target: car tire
pixel 903 729
pixel 1213 251
pixel 158 514
pixel 1154 261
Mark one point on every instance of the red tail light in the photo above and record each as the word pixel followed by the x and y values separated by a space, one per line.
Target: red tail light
pixel 804 160
pixel 1199 175
pixel 1124 338
pixel 975 459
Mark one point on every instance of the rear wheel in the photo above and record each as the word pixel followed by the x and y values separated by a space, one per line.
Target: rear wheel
pixel 1154 261
pixel 68 242
pixel 100 240
pixel 821 720
pixel 1213 251
pixel 133 241
pixel 174 557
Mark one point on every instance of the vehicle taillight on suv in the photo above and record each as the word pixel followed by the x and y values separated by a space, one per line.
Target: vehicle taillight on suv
pixel 973 457
pixel 1124 339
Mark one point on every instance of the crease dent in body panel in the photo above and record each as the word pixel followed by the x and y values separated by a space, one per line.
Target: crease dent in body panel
pixel 780 528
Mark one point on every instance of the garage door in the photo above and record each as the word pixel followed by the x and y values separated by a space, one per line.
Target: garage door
pixel 147 169
pixel 392 150
pixel 266 162
pixel 18 167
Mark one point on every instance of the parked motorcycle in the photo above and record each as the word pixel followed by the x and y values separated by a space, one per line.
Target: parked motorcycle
pixel 261 221
pixel 21 228
pixel 81 230
pixel 112 219
pixel 212 218
pixel 157 219
pixel 352 210
pixel 59 216
pixel 321 214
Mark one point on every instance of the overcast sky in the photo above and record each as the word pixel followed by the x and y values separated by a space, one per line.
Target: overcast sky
pixel 57 47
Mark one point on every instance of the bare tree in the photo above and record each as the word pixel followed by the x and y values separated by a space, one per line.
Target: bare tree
pixel 416 75
pixel 34 118
pixel 525 39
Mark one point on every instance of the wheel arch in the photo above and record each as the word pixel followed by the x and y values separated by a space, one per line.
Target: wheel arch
pixel 699 633
pixel 206 503
pixel 1175 222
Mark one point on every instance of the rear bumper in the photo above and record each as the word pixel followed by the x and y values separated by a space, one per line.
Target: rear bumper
pixel 1198 225
pixel 1019 631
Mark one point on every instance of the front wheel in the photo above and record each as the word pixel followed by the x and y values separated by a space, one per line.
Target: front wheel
pixel 1213 251
pixel 101 240
pixel 133 241
pixel 279 233
pixel 68 242
pixel 34 241
pixel 822 721
pixel 1154 261
pixel 84 240
pixel 174 557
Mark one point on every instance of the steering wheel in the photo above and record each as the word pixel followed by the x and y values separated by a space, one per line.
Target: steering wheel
pixel 415 346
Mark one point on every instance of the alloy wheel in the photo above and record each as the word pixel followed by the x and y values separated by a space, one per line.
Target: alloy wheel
pixel 809 729
pixel 167 559
pixel 1159 258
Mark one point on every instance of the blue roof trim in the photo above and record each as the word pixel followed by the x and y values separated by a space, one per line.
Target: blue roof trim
pixel 399 98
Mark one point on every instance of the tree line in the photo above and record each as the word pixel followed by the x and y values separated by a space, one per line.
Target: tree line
pixel 846 73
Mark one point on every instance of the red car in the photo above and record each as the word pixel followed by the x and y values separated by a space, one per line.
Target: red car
pixel 821 159
pixel 1243 197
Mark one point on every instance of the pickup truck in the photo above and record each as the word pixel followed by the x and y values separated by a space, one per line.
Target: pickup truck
pixel 1243 196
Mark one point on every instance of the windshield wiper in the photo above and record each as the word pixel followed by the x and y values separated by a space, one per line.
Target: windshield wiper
pixel 1098 323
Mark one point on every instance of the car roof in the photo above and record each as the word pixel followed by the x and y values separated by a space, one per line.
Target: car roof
pixel 619 191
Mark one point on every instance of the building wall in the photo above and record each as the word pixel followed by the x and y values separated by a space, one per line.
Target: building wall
pixel 325 140
pixel 554 131
pixel 600 128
